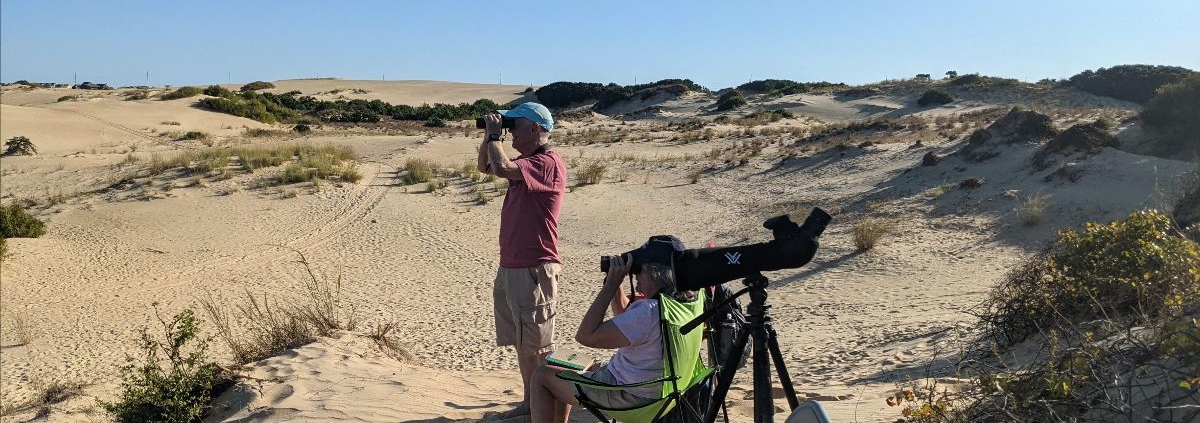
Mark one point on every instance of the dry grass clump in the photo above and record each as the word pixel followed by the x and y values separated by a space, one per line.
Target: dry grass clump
pixel 307 162
pixel 1030 209
pixel 273 326
pixel 869 230
pixel 1107 324
pixel 592 174
pixel 263 132
pixel 470 171
pixel 417 170
pixel 480 196
pixel 19 328
pixel 388 345
pixel 46 394
pixel 436 184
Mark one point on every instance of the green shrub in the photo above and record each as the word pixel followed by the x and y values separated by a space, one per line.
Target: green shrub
pixel 16 223
pixel 179 390
pixel 1086 137
pixel 1136 83
pixel 763 117
pixel 934 97
pixel 66 98
pixel 302 128
pixel 977 80
pixel 218 91
pixel 435 122
pixel 1100 313
pixel 782 87
pixel 137 95
pixel 1172 118
pixel 565 94
pixel 1187 208
pixel 182 92
pixel 730 100
pixel 19 145
pixel 1138 266
pixel 257 85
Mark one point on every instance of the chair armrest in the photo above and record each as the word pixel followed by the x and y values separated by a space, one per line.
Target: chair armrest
pixel 580 379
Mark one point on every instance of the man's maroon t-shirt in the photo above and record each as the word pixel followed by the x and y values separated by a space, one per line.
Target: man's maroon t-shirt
pixel 529 218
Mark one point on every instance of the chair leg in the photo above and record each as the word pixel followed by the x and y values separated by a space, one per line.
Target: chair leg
pixel 692 410
pixel 600 416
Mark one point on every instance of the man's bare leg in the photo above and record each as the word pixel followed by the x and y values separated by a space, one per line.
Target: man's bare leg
pixel 527 362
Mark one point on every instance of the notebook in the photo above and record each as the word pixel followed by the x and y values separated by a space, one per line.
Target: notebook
pixel 571 359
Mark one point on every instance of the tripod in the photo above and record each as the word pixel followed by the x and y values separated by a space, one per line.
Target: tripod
pixel 764 343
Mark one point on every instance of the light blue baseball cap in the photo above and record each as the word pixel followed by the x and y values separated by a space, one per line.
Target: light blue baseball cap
pixel 535 112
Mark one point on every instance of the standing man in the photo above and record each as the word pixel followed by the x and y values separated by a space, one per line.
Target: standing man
pixel 527 281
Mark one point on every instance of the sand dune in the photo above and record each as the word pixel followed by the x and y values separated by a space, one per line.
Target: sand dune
pixel 851 324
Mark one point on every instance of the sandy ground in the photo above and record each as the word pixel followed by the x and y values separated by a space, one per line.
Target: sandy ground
pixel 851 324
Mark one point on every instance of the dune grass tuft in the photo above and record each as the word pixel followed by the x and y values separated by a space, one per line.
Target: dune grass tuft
pixel 1031 208
pixel 869 230
pixel 387 343
pixel 592 174
pixel 416 171
pixel 275 324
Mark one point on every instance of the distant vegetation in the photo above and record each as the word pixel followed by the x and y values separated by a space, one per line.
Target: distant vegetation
pixel 731 100
pixel 1136 83
pixel 182 92
pixel 292 107
pixel 565 94
pixel 217 91
pixel 762 117
pixel 19 145
pixel 934 97
pixel 782 87
pixel 1174 117
pixel 257 85
pixel 977 80
pixel 1089 137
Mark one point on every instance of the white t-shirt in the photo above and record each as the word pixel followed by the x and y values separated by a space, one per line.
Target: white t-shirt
pixel 642 360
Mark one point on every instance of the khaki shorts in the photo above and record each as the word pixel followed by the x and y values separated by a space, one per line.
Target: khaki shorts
pixel 524 307
pixel 610 398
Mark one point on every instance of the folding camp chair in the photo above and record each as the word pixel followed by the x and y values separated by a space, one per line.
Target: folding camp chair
pixel 682 368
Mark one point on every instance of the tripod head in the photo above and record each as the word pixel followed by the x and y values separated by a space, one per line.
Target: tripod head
pixel 755 281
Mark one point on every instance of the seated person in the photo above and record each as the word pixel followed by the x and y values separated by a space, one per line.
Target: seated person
pixel 633 331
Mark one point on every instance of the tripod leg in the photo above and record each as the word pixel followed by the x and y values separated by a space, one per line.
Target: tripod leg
pixel 764 407
pixel 784 378
pixel 728 368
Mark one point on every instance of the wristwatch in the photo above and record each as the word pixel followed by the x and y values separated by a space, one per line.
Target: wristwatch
pixel 493 137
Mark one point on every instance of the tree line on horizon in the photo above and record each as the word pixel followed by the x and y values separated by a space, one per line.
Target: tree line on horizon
pixel 1135 83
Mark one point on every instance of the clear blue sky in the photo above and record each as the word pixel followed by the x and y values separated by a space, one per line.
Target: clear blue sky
pixel 716 44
